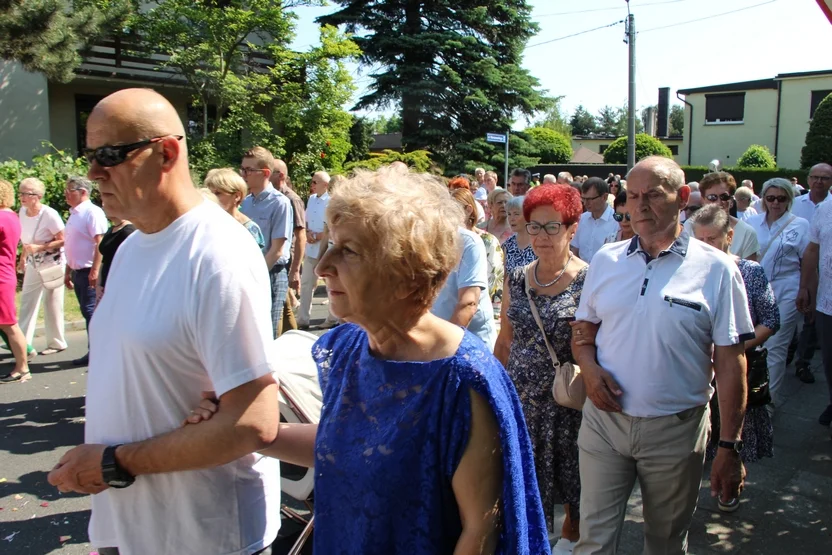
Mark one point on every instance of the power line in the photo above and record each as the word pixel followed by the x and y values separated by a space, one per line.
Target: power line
pixel 610 9
pixel 576 34
pixel 707 17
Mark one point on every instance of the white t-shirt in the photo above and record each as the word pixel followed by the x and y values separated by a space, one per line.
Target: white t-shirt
pixel 592 233
pixel 820 233
pixel 315 219
pixel 745 214
pixel 187 310
pixel 783 257
pixel 660 318
pixel 40 230
pixel 86 221
pixel 803 207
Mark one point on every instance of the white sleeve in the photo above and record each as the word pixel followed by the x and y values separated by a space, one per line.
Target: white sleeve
pixel 54 224
pixel 576 239
pixel 97 222
pixel 586 308
pixel 731 319
pixel 232 325
pixel 804 230
pixel 750 244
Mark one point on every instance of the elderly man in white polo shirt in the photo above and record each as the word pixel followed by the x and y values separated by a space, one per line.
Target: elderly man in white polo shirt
pixel 85 227
pixel 315 212
pixel 667 306
pixel 597 223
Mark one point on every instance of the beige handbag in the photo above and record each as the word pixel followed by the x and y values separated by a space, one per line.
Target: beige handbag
pixel 53 276
pixel 568 388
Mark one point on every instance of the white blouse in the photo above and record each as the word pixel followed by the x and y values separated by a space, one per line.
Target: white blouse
pixel 783 252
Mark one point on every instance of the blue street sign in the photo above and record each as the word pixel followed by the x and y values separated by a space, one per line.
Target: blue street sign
pixel 495 138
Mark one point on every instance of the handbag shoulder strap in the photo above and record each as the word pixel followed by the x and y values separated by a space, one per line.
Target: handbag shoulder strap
pixel 536 315
pixel 776 235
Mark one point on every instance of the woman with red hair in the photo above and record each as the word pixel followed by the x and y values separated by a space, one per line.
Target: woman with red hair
pixel 555 280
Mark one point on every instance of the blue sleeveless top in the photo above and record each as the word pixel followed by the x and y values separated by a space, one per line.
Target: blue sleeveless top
pixel 390 438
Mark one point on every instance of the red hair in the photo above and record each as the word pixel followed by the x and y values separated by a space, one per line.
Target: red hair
pixel 459 183
pixel 565 199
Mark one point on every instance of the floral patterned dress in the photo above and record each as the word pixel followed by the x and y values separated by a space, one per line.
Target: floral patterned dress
pixel 516 258
pixel 553 429
pixel 757 428
pixel 494 257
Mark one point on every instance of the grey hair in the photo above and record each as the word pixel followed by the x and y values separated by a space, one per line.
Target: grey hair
pixel 549 178
pixel 743 194
pixel 694 185
pixel 780 183
pixel 80 183
pixel 498 191
pixel 712 216
pixel 515 203
pixel 669 172
pixel 35 184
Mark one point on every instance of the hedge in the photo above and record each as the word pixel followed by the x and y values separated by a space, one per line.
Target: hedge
pixel 757 176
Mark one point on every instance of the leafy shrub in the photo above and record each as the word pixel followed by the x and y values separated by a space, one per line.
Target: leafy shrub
pixel 53 169
pixel 756 175
pixel 818 146
pixel 549 145
pixel 417 160
pixel 646 145
pixel 757 156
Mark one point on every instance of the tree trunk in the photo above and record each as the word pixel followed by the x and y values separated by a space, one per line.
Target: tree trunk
pixel 413 78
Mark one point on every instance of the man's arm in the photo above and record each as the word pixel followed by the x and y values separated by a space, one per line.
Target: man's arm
pixel 727 472
pixel 273 254
pixel 808 293
pixel 97 257
pixel 298 248
pixel 247 421
pixel 466 306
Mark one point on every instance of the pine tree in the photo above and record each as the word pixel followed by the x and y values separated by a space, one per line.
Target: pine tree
pixel 582 122
pixel 48 35
pixel 452 67
pixel 818 146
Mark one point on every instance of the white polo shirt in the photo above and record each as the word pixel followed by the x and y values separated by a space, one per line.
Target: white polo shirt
pixel 315 218
pixel 820 233
pixel 660 318
pixel 592 233
pixel 803 207
pixel 85 222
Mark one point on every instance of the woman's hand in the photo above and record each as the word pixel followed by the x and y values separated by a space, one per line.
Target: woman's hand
pixel 601 388
pixel 583 332
pixel 205 410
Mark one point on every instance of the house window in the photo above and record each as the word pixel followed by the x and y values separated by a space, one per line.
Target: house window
pixel 602 148
pixel 725 108
pixel 674 149
pixel 817 98
pixel 84 104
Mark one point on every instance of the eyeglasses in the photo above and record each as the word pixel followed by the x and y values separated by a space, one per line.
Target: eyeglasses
pixel 724 197
pixel 691 209
pixel 782 199
pixel 28 194
pixel 551 228
pixel 820 177
pixel 113 155
pixel 75 189
pixel 590 199
pixel 245 171
pixel 621 217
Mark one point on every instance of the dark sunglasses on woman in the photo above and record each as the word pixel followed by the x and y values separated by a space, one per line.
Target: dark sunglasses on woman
pixel 113 155
pixel 621 217
pixel 724 197
pixel 782 199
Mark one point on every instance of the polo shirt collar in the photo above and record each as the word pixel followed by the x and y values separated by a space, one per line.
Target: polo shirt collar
pixel 679 247
pixel 82 206
pixel 265 193
pixel 606 216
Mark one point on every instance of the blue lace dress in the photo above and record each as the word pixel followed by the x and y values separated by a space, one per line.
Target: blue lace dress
pixel 516 258
pixel 757 428
pixel 389 441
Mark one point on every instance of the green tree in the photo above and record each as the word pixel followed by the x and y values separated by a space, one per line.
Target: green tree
pixel 607 121
pixel 646 146
pixel 383 124
pixel 582 122
pixel 361 139
pixel 451 67
pixel 757 156
pixel 555 119
pixel 818 147
pixel 677 120
pixel 49 35
pixel 549 145
pixel 417 160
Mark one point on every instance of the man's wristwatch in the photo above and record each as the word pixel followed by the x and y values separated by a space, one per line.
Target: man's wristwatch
pixel 735 446
pixel 114 475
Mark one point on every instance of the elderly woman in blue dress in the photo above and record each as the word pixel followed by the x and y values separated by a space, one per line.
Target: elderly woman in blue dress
pixel 421 446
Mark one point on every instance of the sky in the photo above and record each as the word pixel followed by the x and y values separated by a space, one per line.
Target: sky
pixel 591 69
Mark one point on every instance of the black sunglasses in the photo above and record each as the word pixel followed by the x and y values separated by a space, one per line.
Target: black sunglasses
pixel 782 199
pixel 724 197
pixel 113 155
pixel 621 217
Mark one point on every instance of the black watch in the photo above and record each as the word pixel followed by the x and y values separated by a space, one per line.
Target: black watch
pixel 735 446
pixel 114 475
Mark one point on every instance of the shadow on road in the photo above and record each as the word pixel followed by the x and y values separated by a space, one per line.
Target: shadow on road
pixel 38 425
pixel 44 534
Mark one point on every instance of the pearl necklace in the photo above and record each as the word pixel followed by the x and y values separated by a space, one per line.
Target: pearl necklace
pixel 554 281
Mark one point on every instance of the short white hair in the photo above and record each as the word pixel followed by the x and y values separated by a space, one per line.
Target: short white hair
pixel 743 193
pixel 35 184
pixel 549 178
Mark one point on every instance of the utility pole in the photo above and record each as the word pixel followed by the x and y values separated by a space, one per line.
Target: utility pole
pixel 505 182
pixel 631 115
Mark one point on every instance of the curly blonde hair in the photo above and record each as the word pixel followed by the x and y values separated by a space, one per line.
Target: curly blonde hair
pixel 408 223
pixel 226 180
pixel 6 194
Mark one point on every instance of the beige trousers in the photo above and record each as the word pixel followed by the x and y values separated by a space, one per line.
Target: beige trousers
pixel 308 284
pixel 30 296
pixel 666 454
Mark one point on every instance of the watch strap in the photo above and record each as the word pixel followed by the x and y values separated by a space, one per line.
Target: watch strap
pixel 735 446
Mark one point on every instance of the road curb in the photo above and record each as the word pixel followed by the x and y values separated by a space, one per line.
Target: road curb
pixel 77 325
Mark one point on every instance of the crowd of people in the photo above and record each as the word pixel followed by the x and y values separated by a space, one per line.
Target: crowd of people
pixel 457 306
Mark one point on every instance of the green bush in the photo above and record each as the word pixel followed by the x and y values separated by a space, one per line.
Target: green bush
pixel 417 160
pixel 551 147
pixel 757 176
pixel 53 169
pixel 757 156
pixel 818 146
pixel 646 145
